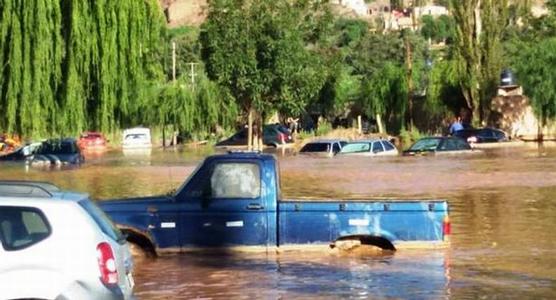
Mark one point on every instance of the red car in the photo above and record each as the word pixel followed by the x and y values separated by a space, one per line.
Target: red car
pixel 92 140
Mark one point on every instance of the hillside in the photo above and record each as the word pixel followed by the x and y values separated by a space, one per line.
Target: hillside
pixel 183 12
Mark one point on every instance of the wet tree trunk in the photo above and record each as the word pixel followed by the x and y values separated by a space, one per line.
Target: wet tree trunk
pixel 250 130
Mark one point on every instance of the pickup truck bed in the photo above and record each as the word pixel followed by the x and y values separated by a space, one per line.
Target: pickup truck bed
pixel 232 201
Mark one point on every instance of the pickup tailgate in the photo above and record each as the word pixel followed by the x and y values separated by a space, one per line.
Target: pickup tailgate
pixel 404 224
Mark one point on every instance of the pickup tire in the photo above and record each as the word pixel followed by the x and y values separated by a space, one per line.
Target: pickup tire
pixel 140 244
pixel 354 241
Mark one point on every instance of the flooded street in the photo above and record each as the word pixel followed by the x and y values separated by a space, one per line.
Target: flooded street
pixel 503 214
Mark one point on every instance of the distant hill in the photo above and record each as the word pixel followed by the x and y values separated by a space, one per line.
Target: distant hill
pixel 183 12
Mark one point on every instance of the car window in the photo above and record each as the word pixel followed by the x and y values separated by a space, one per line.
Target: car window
pixel 461 144
pixel 57 148
pixel 356 147
pixel 139 136
pixel 102 220
pixel 449 144
pixel 22 227
pixel 316 147
pixel 377 147
pixel 343 143
pixel 388 146
pixel 336 148
pixel 425 145
pixel 235 180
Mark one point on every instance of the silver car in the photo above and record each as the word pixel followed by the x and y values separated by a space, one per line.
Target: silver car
pixel 59 245
pixel 376 147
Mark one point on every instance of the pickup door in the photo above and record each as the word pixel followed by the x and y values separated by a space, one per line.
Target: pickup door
pixel 226 203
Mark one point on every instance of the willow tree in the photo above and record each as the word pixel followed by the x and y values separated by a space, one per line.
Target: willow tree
pixel 536 70
pixel 256 51
pixel 70 65
pixel 31 53
pixel 478 51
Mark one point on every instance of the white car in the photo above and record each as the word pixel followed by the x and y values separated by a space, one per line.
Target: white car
pixel 378 147
pixel 59 245
pixel 326 148
pixel 138 137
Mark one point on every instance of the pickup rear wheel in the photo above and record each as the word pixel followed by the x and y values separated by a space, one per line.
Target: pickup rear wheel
pixel 349 243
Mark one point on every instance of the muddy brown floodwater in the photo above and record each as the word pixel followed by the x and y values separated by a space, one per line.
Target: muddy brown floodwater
pixel 503 213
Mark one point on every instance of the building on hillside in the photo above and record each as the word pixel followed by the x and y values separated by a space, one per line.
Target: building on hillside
pixel 432 10
pixel 359 7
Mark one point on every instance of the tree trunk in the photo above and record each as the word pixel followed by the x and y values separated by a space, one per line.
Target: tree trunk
pixel 409 65
pixel 379 123
pixel 250 130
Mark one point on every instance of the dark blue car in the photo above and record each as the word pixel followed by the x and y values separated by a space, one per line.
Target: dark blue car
pixel 58 152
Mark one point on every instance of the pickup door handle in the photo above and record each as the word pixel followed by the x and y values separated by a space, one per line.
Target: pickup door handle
pixel 254 206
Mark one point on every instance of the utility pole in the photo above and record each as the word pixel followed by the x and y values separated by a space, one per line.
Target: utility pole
pixel 193 74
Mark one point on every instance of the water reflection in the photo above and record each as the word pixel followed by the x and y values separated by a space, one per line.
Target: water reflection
pixel 417 275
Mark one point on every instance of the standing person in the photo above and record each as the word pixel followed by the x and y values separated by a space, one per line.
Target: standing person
pixel 293 124
pixel 456 126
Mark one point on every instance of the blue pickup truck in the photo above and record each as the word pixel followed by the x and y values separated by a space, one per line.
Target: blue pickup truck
pixel 233 200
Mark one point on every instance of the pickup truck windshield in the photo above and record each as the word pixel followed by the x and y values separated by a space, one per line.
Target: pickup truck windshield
pixel 235 180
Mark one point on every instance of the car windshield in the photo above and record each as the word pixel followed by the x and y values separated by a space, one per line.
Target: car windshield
pixel 102 220
pixel 91 136
pixel 356 147
pixel 57 148
pixel 316 147
pixel 136 136
pixel 425 145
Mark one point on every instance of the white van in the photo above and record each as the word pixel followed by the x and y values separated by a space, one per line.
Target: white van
pixel 138 137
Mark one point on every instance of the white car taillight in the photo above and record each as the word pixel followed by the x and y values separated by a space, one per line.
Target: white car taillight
pixel 107 264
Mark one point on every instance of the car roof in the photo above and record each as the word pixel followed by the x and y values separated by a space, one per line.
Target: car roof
pixel 231 155
pixel 369 141
pixel 20 191
pixel 61 140
pixel 326 141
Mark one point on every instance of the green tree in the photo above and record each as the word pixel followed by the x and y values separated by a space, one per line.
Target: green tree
pixel 71 65
pixel 257 52
pixel 479 28
pixel 536 73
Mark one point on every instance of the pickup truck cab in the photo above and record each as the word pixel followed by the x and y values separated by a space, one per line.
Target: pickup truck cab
pixel 233 200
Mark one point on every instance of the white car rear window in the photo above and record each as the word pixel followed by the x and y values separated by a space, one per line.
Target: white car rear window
pixel 102 220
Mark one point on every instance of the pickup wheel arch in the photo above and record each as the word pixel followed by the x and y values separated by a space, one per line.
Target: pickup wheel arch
pixel 373 240
pixel 141 240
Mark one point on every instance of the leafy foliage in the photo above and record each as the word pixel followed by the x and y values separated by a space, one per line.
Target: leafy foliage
pixel 258 53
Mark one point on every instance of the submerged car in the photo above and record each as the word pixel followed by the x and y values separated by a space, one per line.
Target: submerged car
pixel 138 137
pixel 59 245
pixel 438 145
pixel 92 140
pixel 21 154
pixel 327 148
pixel 58 152
pixel 482 135
pixel 377 147
pixel 274 135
